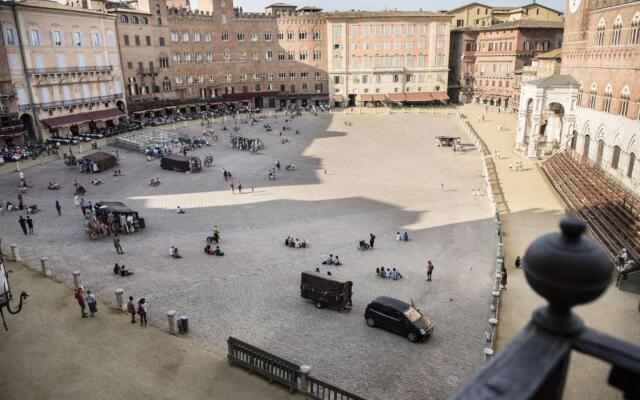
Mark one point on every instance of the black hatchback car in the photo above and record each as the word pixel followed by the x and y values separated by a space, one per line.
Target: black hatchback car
pixel 398 317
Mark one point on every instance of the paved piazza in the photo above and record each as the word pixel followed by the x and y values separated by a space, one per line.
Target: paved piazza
pixel 383 174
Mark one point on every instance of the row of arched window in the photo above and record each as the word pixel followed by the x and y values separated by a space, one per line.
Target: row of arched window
pixel 624 98
pixel 617 30
pixel 124 19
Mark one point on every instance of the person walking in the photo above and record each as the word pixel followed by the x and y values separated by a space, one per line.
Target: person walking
pixel 30 224
pixel 131 309
pixel 239 187
pixel 429 271
pixel 116 244
pixel 23 224
pixel 58 208
pixel 503 280
pixel 232 188
pixel 518 262
pixel 372 239
pixel 92 302
pixel 142 311
pixel 81 303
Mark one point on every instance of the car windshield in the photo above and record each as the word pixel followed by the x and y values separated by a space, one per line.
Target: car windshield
pixel 413 314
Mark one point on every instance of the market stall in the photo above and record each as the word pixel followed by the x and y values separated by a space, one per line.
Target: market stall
pixel 112 217
pixel 180 163
pixel 99 161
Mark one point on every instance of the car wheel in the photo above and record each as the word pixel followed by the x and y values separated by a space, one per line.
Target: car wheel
pixel 318 304
pixel 370 322
pixel 412 337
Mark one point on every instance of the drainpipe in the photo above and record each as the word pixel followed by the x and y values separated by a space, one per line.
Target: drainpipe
pixel 24 71
pixel 125 82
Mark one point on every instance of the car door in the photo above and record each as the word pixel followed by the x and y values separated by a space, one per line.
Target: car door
pixel 398 322
pixel 390 317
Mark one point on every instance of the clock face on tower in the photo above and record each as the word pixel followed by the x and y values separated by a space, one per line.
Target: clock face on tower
pixel 573 5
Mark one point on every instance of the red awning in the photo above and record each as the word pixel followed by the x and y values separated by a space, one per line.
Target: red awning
pixel 439 96
pixel 338 97
pixel 79 118
pixel 365 97
pixel 378 97
pixel 397 97
pixel 12 132
pixel 417 97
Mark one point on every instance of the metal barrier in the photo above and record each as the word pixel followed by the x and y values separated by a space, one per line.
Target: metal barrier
pixel 255 360
pixel 277 369
pixel 324 391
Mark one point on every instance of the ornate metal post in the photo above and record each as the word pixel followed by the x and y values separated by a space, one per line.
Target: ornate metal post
pixel 567 269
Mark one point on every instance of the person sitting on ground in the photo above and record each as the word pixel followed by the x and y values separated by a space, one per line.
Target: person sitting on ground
pixel 381 273
pixel 208 250
pixel 296 244
pixel 406 237
pixel 623 256
pixel 304 244
pixel 179 210
pixel 318 270
pixel 32 209
pixel 377 271
pixel 286 242
pixel 329 260
pixel 176 253
pixel 53 186
pixel 10 206
pixel 116 269
pixel 337 261
pixel 387 274
pixel 218 252
pixel 97 181
pixel 124 271
pixel 292 243
pixel 362 244
pixel 395 274
pixel 171 251
pixel 398 237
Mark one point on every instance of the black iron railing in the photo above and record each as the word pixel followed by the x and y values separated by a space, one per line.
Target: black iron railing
pixel 277 369
pixel 567 269
pixel 67 70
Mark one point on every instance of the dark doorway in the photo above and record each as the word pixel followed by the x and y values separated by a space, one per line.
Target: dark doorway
pixel 27 123
pixel 352 100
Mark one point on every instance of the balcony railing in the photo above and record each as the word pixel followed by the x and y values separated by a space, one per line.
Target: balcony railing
pixel 24 107
pixel 75 102
pixel 567 269
pixel 147 71
pixel 68 70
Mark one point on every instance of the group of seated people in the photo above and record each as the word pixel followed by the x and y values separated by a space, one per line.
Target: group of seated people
pixel 173 252
pixel 54 186
pixel 389 273
pixel 213 252
pixel 290 242
pixel 290 167
pixel 116 172
pixel 154 182
pixel 96 181
pixel 122 270
pixel 400 237
pixel 332 260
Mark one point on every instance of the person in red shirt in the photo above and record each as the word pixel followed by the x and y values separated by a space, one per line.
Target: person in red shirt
pixel 80 298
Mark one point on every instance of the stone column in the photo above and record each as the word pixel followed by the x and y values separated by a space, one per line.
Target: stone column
pixel 120 298
pixel 15 253
pixel 304 381
pixel 76 279
pixel 43 265
pixel 171 319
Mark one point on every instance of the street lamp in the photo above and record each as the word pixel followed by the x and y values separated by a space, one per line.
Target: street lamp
pixel 5 292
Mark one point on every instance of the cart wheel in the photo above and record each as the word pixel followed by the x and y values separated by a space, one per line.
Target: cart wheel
pixel 412 337
pixel 370 322
pixel 318 304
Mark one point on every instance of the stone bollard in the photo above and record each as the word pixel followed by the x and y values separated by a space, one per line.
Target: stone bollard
pixel 120 298
pixel 171 318
pixel 43 265
pixel 15 253
pixel 304 381
pixel 76 279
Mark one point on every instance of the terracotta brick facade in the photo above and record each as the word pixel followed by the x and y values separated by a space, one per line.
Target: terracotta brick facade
pixel 485 61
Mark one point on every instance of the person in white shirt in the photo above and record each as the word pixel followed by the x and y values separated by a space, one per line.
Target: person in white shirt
pixel 179 210
pixel 398 237
pixel 171 251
